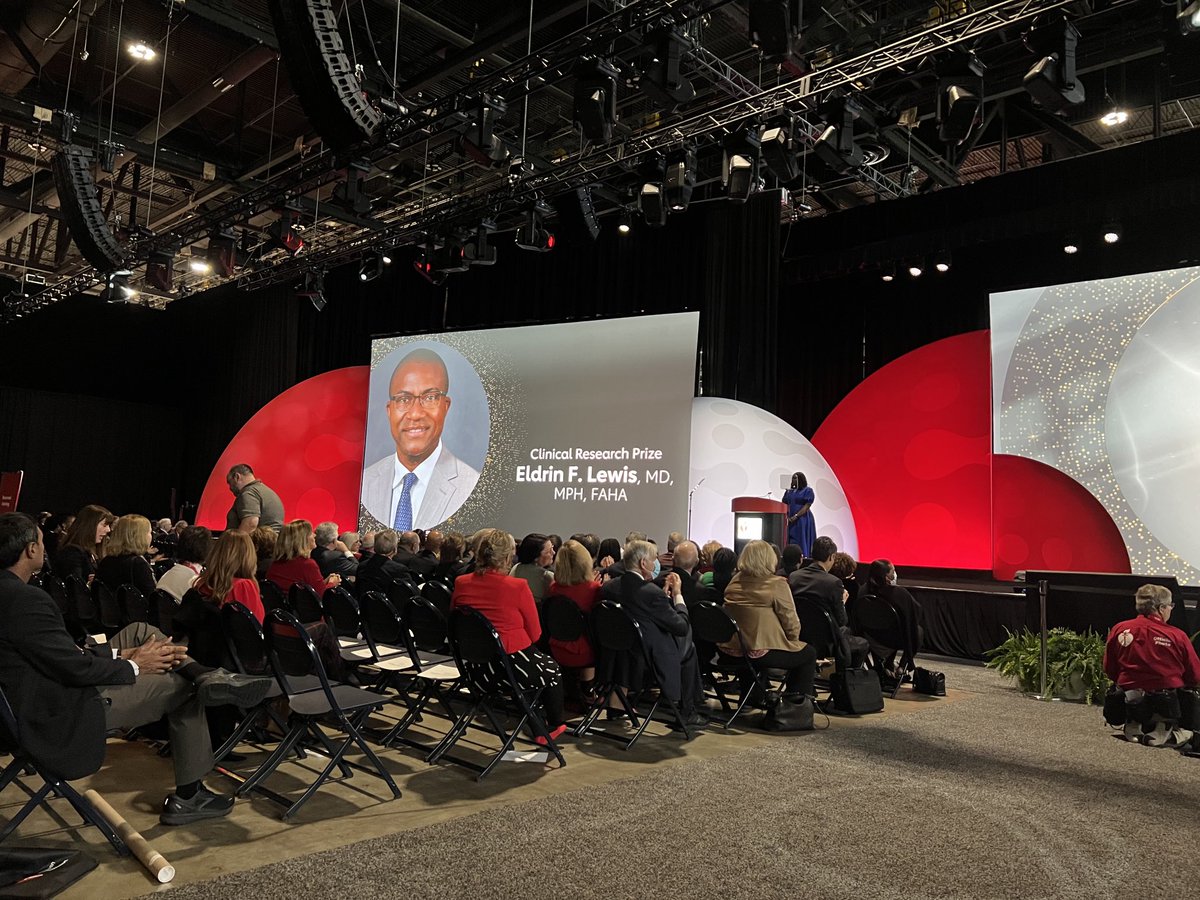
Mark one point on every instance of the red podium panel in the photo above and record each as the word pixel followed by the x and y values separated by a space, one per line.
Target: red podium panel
pixel 10 490
pixel 758 519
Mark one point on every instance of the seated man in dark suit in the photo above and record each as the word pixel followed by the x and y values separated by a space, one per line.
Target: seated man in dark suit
pixel 664 620
pixel 685 563
pixel 331 555
pixel 379 570
pixel 65 698
pixel 814 582
pixel 408 555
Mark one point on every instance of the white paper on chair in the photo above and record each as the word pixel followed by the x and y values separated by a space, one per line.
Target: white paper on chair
pixel 537 756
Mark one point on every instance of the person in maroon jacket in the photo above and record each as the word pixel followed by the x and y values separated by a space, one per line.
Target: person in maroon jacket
pixel 1145 655
pixel 508 604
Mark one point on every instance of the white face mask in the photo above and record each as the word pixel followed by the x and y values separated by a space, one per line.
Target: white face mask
pixel 892 578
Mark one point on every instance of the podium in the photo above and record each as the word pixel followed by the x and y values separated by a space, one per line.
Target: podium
pixel 758 519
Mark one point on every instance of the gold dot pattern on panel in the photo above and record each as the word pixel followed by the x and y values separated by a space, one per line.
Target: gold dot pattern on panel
pixel 1053 404
pixel 506 410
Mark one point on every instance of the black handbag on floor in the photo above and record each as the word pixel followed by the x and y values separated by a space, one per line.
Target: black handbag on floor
pixel 856 691
pixel 928 682
pixel 787 715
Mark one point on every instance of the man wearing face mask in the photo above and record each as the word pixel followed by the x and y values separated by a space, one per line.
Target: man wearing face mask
pixel 663 617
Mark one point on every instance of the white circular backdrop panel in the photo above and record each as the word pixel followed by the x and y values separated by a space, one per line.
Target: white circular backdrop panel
pixel 739 450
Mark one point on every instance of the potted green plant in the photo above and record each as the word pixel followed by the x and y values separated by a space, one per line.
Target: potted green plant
pixel 1074 663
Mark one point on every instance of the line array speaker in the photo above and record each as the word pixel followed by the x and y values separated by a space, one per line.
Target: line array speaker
pixel 82 211
pixel 321 73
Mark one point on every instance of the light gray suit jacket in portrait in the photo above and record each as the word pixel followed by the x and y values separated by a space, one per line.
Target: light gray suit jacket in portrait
pixel 448 489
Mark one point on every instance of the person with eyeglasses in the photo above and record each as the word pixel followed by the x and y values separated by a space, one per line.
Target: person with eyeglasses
pixel 422 484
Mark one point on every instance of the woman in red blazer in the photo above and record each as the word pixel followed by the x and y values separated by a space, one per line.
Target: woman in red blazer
pixel 508 604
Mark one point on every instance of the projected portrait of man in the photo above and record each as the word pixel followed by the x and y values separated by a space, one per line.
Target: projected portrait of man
pixel 422 483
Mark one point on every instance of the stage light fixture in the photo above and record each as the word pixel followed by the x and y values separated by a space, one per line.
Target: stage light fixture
pixel 779 147
pixel 1189 18
pixel 282 233
pixel 1112 234
pixel 625 222
pixel 960 96
pixel 141 51
pixel 160 270
pixel 596 99
pixel 222 253
pixel 916 269
pixel 532 235
pixel 1114 117
pixel 424 267
pixel 480 143
pixel 200 266
pixel 313 289
pixel 371 267
pixel 1070 245
pixel 774 28
pixel 941 262
pixel 889 273
pixel 1052 80
pixel 835 146
pixel 662 72
pixel 387 256
pixel 740 164
pixel 480 252
pixel 652 204
pixel 680 179
pixel 449 259
pixel 116 287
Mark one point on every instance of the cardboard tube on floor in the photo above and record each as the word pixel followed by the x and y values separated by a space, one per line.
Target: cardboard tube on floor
pixel 154 862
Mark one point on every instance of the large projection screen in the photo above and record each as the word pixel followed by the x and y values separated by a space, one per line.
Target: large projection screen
pixel 555 428
pixel 1101 380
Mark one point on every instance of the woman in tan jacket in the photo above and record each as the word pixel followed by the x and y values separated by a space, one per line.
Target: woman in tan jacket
pixel 762 605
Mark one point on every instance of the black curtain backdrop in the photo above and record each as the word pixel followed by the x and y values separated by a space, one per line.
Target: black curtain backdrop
pixel 210 361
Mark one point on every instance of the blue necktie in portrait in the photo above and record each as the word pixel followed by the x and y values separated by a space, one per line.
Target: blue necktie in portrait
pixel 404 507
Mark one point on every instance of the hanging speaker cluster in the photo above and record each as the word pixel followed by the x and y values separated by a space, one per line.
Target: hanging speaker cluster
pixel 322 75
pixel 82 211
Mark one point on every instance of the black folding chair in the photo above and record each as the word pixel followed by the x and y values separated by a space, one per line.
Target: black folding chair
pixel 344 615
pixel 197 622
pixel 134 607
pixel 618 633
pixel 83 615
pixel 53 585
pixel 107 608
pixel 438 593
pixel 163 607
pixel 563 620
pixel 292 654
pixel 884 627
pixel 304 603
pixel 272 597
pixel 714 624
pixel 162 567
pixel 10 742
pixel 478 650
pixel 424 632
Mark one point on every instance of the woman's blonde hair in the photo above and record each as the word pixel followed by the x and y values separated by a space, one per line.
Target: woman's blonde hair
pixel 573 565
pixel 293 540
pixel 496 551
pixel 131 534
pixel 758 560
pixel 707 551
pixel 231 557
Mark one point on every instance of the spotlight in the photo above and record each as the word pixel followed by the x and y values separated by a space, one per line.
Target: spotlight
pixel 424 267
pixel 625 222
pixel 1189 18
pixel 449 259
pixel 116 288
pixel 662 75
pixel 652 204
pixel 1112 234
pixel 778 144
pixel 160 270
pixel 531 235
pixel 740 168
pixel 1052 81
pixel 1115 116
pixel 200 266
pixel 941 262
pixel 387 256
pixel 916 269
pixel 1070 245
pixel 313 290
pixel 835 146
pixel 889 273
pixel 596 99
pixel 480 143
pixel 774 28
pixel 960 96
pixel 371 267
pixel 282 234
pixel 680 178
pixel 141 51
pixel 480 252
pixel 222 253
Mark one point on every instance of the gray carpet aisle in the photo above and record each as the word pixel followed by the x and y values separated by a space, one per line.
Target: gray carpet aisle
pixel 988 796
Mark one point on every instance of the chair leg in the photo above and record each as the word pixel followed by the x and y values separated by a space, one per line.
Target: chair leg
pixel 91 816
pixel 371 755
pixel 272 762
pixel 335 760
pixel 10 773
pixel 315 730
pixel 234 739
pixel 34 802
pixel 457 730
pixel 646 720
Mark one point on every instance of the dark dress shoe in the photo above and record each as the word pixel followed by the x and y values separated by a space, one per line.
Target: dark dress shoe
pixel 221 688
pixel 204 804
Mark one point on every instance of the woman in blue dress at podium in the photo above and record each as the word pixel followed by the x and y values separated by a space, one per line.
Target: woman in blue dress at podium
pixel 802 528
